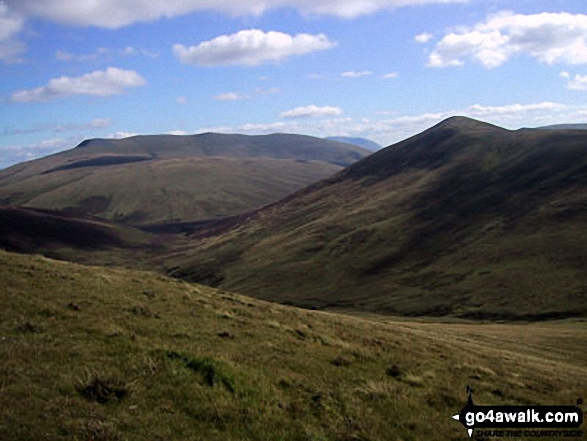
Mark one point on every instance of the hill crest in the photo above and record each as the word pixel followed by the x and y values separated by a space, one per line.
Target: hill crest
pixel 432 225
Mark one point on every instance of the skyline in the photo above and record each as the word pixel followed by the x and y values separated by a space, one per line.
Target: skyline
pixel 381 69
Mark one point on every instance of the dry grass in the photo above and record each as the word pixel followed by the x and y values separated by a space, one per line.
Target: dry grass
pixel 101 371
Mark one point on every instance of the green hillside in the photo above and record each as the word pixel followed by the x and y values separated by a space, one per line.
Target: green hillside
pixel 164 178
pixel 107 354
pixel 278 145
pixel 465 219
pixel 99 152
pixel 165 190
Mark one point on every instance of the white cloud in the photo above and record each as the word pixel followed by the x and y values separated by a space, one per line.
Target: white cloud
pixel 387 130
pixel 97 123
pixel 423 38
pixel 578 83
pixel 66 56
pixel 177 132
pixel 548 37
pixel 100 123
pixel 565 74
pixel 255 128
pixel 10 26
pixel 251 47
pixel 390 76
pixel 266 128
pixel 104 53
pixel 130 51
pixel 235 96
pixel 230 96
pixel 13 154
pixel 112 81
pixel 270 91
pixel 355 74
pixel 116 13
pixel 121 135
pixel 311 111
pixel 510 115
pixel 478 110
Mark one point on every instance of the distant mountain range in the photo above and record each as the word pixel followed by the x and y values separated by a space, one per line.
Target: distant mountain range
pixel 565 127
pixel 361 142
pixel 164 178
pixel 464 219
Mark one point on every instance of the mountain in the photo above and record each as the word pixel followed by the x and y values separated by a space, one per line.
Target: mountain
pixel 160 179
pixel 465 219
pixel 108 354
pixel 565 127
pixel 361 142
pixel 27 230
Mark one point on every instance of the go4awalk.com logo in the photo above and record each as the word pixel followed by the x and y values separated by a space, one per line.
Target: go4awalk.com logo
pixel 516 421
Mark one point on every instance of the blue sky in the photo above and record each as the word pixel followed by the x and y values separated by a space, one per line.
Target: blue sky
pixel 380 69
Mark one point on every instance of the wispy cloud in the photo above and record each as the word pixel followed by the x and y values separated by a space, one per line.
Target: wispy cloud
pixel 114 14
pixel 356 74
pixel 388 130
pixel 14 154
pixel 230 96
pixel 104 53
pixel 10 26
pixel 112 81
pixel 236 96
pixel 97 123
pixel 121 135
pixel 390 76
pixel 423 38
pixel 311 111
pixel 250 48
pixel 579 82
pixel 548 37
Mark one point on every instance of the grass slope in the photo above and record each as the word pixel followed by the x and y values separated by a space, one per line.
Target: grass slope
pixel 465 219
pixel 106 354
pixel 165 178
pixel 27 230
pixel 165 190
pixel 361 142
pixel 100 151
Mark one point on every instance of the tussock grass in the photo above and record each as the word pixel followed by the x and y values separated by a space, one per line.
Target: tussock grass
pixel 102 371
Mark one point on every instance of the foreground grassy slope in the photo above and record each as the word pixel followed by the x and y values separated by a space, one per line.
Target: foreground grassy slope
pixel 465 219
pixel 103 354
pixel 170 190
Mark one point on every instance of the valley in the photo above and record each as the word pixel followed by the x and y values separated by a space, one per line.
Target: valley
pixel 358 306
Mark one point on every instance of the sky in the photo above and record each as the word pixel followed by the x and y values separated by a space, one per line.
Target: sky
pixel 379 69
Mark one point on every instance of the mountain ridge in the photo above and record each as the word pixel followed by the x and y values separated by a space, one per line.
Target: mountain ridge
pixel 428 226
pixel 167 178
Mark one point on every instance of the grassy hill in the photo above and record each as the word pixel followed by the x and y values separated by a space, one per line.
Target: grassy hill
pixel 565 127
pixel 361 142
pixel 161 191
pixel 465 219
pixel 109 354
pixel 161 179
